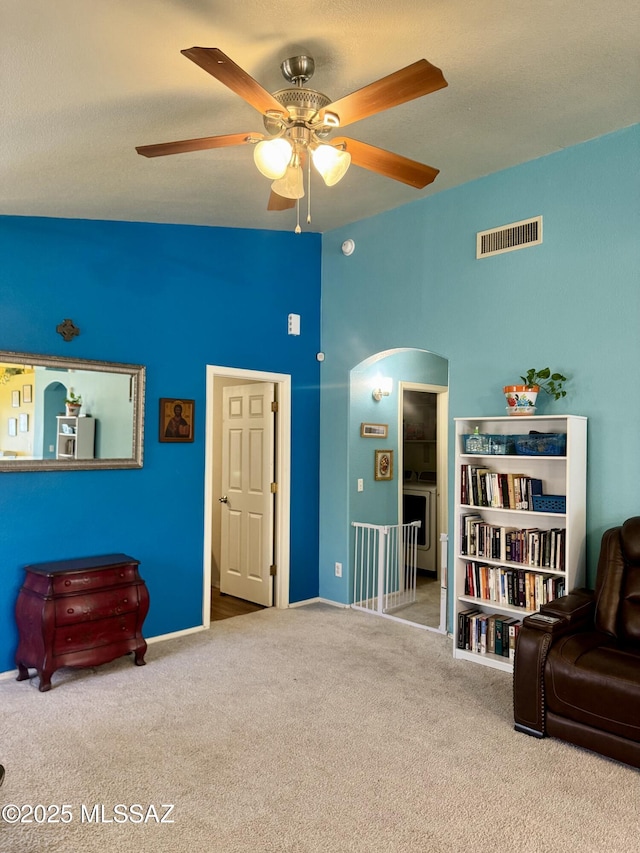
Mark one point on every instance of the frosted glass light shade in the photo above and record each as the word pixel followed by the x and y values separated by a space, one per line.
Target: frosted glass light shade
pixel 332 163
pixel 272 157
pixel 291 185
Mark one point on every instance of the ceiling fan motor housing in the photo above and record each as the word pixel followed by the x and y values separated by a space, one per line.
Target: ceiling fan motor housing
pixel 302 105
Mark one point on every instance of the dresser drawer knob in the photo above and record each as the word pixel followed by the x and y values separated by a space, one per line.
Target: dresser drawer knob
pixel 125 600
pixel 67 583
pixel 69 610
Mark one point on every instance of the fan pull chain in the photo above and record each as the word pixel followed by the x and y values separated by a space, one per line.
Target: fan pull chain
pixel 297 229
pixel 309 188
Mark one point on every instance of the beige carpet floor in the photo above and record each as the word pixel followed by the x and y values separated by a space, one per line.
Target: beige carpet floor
pixel 426 608
pixel 311 730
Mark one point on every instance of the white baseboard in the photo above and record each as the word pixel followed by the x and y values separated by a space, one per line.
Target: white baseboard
pixel 175 634
pixel 318 601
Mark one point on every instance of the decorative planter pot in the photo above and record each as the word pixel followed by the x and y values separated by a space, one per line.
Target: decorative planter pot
pixel 72 410
pixel 521 399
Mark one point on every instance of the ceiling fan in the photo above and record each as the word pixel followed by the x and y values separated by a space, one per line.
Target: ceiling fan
pixel 297 120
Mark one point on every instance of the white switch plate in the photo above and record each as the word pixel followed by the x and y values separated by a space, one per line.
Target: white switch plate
pixel 338 570
pixel 361 485
pixel 294 324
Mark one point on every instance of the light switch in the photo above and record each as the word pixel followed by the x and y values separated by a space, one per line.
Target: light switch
pixel 294 324
pixel 361 485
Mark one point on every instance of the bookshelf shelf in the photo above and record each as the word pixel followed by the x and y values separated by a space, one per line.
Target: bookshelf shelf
pixel 487 660
pixel 484 584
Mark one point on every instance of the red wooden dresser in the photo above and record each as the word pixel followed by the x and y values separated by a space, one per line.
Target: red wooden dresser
pixel 80 612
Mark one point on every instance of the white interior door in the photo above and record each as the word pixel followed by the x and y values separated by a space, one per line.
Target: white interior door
pixel 248 502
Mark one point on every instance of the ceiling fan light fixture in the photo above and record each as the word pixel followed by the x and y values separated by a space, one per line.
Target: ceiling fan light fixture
pixel 291 185
pixel 332 163
pixel 272 156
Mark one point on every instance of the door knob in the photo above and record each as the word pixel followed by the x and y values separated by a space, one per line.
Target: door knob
pixel 223 499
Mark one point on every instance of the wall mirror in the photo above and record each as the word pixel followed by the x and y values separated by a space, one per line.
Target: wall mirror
pixel 42 430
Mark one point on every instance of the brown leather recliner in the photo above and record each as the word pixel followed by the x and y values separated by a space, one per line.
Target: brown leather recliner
pixel 577 661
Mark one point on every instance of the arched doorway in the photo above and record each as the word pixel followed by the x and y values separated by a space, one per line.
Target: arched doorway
pixel 411 376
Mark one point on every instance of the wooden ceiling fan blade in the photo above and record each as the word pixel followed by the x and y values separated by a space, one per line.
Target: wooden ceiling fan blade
pixel 185 145
pixel 386 163
pixel 215 62
pixel 404 85
pixel 278 202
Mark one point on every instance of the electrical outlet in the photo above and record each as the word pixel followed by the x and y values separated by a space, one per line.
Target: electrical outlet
pixel 361 485
pixel 338 569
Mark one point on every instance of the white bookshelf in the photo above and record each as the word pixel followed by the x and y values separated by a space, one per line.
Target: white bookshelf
pixel 75 437
pixel 560 475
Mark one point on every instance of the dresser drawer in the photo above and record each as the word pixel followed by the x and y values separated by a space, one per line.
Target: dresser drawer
pixel 83 581
pixel 96 605
pixel 89 635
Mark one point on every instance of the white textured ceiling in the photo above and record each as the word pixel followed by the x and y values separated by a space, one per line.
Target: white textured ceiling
pixel 82 82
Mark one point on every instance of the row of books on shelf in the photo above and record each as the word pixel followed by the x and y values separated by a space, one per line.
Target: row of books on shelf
pixel 488 633
pixel 514 587
pixel 484 487
pixel 530 545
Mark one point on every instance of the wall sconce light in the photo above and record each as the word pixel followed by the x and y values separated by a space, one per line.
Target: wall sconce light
pixel 383 388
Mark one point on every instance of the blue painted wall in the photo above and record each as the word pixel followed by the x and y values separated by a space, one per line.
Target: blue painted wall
pixel 572 303
pixel 174 298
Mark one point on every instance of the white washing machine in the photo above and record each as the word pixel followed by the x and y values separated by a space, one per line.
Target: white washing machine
pixel 419 504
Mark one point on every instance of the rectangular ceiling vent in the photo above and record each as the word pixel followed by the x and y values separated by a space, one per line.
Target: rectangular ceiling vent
pixel 508 238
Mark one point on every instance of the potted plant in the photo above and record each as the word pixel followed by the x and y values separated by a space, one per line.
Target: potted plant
pixel 73 403
pixel 521 399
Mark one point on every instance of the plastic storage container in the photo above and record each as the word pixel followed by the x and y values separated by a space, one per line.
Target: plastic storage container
pixel 549 503
pixel 541 444
pixel 496 445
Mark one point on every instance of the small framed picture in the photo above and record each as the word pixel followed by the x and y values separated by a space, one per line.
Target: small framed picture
pixel 15 399
pixel 374 430
pixel 23 422
pixel 383 468
pixel 26 394
pixel 13 426
pixel 176 419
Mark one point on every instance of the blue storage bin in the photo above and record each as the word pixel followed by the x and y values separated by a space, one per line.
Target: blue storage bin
pixel 496 445
pixel 549 503
pixel 541 444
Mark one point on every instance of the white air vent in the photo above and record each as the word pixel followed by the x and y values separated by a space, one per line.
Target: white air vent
pixel 508 238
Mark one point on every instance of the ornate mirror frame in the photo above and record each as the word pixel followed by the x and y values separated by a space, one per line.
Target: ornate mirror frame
pixel 135 405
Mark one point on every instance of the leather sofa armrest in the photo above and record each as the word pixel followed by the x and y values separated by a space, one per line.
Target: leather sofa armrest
pixel 532 646
pixel 575 610
pixel 572 612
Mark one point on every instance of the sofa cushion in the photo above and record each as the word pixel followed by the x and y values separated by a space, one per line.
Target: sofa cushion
pixel 591 679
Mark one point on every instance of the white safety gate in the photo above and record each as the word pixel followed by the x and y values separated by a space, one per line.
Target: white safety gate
pixel 384 577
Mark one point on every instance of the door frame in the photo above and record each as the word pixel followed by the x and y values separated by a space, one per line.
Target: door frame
pixel 282 478
pixel 442 494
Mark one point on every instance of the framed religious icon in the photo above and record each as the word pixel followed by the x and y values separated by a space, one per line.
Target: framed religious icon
pixel 176 419
pixel 383 469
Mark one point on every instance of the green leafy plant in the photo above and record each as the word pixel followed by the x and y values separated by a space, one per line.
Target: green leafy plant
pixel 7 372
pixel 73 399
pixel 550 382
